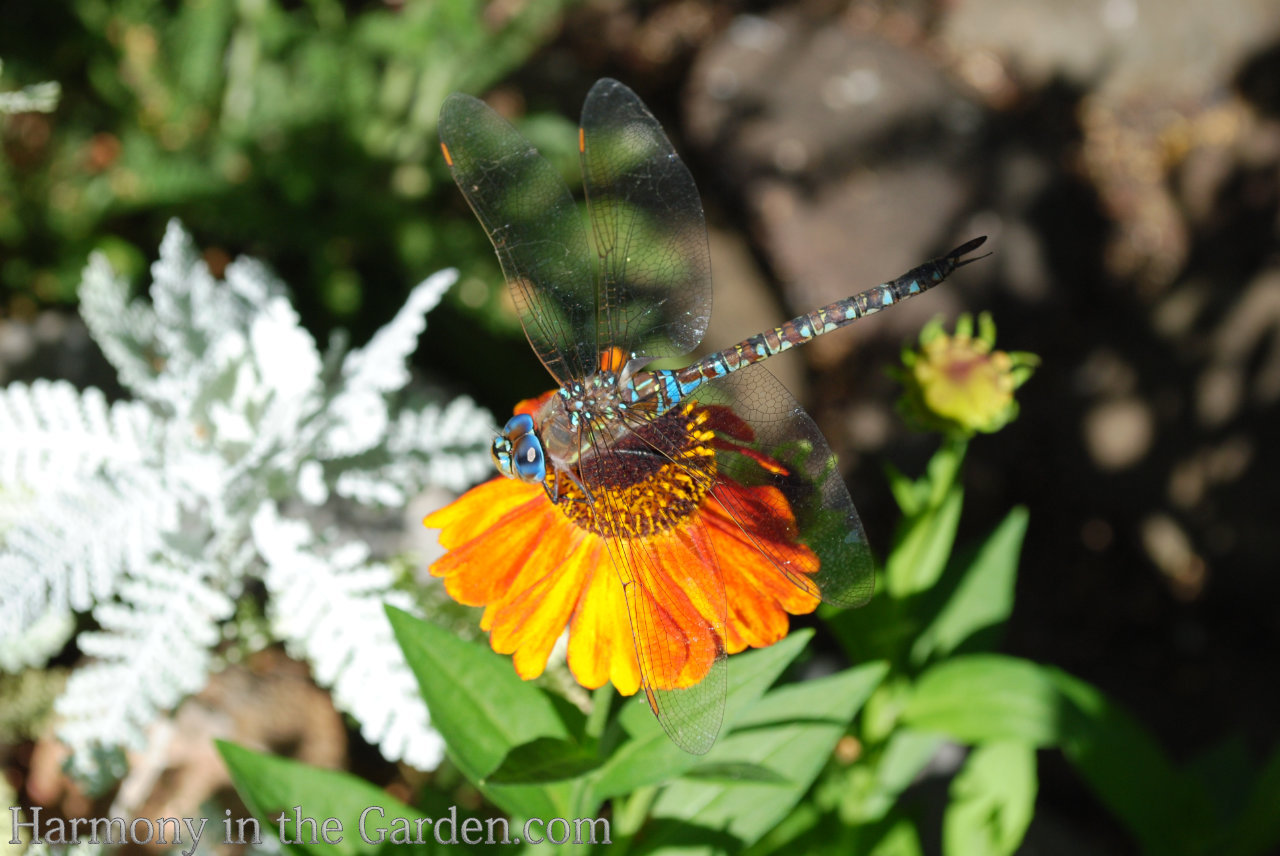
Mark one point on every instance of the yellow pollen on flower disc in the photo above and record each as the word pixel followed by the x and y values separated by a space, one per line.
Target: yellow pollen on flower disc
pixel 642 491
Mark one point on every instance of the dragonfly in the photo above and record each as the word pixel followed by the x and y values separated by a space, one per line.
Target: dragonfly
pixel 601 298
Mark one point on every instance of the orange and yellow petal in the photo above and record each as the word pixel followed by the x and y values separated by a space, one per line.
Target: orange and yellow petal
pixel 760 560
pixel 478 569
pixel 760 596
pixel 528 623
pixel 600 646
pixel 475 514
pixel 675 608
pixel 756 619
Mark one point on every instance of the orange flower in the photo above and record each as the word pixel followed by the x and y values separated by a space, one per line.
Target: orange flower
pixel 538 566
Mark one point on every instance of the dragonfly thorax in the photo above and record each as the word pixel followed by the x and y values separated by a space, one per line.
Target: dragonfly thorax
pixel 580 414
pixel 563 431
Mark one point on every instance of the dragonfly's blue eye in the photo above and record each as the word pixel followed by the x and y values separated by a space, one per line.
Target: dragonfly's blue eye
pixel 500 451
pixel 521 423
pixel 517 452
pixel 529 463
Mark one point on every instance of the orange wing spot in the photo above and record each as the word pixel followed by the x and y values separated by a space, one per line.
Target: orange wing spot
pixel 532 406
pixel 612 360
pixel 447 158
pixel 653 700
pixel 582 140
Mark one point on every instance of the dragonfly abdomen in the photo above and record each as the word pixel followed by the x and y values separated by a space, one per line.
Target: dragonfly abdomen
pixel 671 387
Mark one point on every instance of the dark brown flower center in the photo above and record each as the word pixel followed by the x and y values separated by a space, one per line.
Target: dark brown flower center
pixel 650 482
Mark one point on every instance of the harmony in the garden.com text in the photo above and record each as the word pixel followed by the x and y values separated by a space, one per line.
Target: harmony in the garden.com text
pixel 374 826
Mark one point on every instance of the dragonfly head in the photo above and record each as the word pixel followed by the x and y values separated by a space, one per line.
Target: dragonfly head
pixel 517 451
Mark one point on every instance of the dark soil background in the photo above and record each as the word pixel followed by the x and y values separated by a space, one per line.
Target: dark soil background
pixel 1124 160
pixel 1124 157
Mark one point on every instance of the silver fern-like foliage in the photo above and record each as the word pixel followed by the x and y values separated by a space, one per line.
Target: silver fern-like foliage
pixel 153 514
pixel 37 98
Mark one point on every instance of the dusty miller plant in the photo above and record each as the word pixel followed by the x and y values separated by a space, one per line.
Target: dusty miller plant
pixel 154 514
pixel 37 98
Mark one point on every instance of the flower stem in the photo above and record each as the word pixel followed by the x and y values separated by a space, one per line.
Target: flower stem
pixel 629 813
pixel 944 467
pixel 601 702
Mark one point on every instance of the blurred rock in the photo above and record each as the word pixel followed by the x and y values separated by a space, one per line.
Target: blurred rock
pixel 744 305
pixel 53 344
pixel 848 152
pixel 1182 49
pixel 1155 73
pixel 268 704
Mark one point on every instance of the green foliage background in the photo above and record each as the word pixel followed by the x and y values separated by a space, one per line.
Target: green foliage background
pixel 303 134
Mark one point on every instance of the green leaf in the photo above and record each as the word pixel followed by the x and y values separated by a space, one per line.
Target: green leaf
pixel 571 716
pixel 883 711
pixel 734 772
pixel 1224 771
pixel 992 801
pixel 926 493
pixel 873 794
pixel 1257 829
pixel 483 710
pixel 792 732
pixel 270 785
pixel 980 698
pixel 813 828
pixel 984 596
pixel 546 759
pixel 906 493
pixel 650 757
pixel 881 630
pixel 796 833
pixel 943 469
pixel 985 697
pixel 1130 773
pixel 901 839
pixel 922 546
pixel 688 837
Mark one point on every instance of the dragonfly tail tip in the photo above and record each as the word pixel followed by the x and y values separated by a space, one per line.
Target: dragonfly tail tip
pixel 964 249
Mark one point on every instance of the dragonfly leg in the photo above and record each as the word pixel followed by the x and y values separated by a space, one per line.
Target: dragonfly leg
pixel 554 494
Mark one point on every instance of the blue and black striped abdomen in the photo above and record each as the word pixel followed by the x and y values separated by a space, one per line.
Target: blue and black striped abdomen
pixel 671 387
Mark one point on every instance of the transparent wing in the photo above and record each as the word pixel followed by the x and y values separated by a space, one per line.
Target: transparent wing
pixel 536 229
pixel 781 446
pixel 673 586
pixel 674 583
pixel 675 635
pixel 646 218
